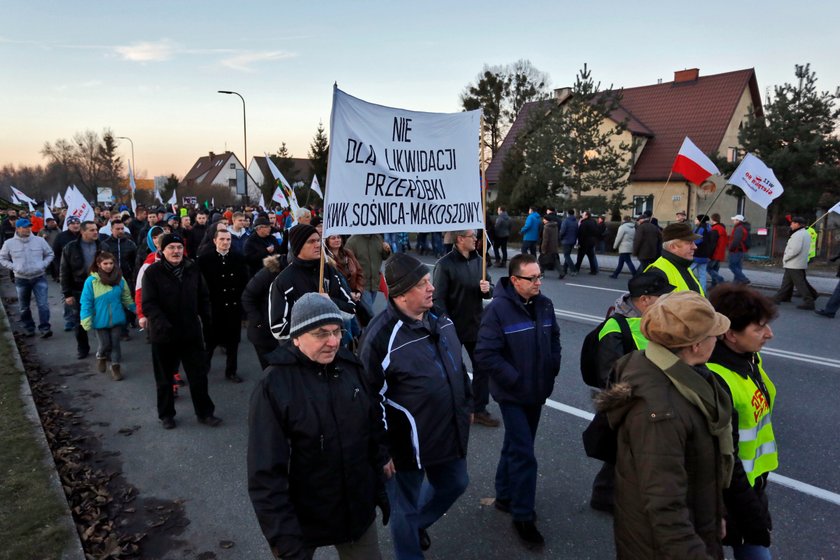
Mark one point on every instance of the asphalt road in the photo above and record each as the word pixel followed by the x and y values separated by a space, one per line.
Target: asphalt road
pixel 205 468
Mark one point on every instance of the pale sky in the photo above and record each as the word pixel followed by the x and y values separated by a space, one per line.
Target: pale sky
pixel 150 70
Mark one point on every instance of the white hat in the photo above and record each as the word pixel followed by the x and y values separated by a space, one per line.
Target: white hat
pixel 739 217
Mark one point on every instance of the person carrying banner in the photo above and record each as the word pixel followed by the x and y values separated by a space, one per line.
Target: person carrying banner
pixel 460 291
pixel 412 359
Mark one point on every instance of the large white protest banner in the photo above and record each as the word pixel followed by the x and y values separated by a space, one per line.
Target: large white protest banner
pixel 394 170
pixel 757 181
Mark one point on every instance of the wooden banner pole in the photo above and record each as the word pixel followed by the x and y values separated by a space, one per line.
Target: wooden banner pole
pixel 656 205
pixel 483 203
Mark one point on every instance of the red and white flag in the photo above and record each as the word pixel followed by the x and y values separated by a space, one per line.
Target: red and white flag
pixel 693 164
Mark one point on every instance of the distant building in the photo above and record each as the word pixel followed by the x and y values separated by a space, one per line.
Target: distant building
pixel 710 110
pixel 301 172
pixel 218 170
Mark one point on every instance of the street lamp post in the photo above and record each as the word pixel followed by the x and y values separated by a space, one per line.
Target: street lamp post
pixel 245 134
pixel 133 167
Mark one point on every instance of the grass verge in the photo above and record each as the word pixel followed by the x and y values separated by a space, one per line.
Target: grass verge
pixel 31 524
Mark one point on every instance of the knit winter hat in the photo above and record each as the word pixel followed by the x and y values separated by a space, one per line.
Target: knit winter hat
pixel 298 236
pixel 170 238
pixel 402 272
pixel 311 311
pixel 680 319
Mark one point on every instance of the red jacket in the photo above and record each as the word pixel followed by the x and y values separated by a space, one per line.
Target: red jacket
pixel 722 242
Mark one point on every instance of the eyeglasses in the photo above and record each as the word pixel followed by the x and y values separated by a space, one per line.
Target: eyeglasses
pixel 323 334
pixel 313 241
pixel 531 279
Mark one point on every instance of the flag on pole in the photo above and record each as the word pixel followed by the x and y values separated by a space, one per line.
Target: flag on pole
pixel 48 215
pixel 59 202
pixel 287 188
pixel 835 208
pixel 213 202
pixel 20 196
pixel 131 181
pixel 31 208
pixel 133 205
pixel 279 197
pixel 693 164
pixel 158 197
pixel 316 187
pixel 757 181
pixel 262 201
pixel 77 206
pixel 173 200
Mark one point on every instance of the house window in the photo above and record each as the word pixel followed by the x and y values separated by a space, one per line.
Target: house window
pixel 642 204
pixel 233 166
pixel 741 205
pixel 232 183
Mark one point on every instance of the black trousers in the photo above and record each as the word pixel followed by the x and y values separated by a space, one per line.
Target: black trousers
pixel 82 343
pixel 231 355
pixel 589 253
pixel 166 358
pixel 480 382
pixel 796 277
pixel 500 246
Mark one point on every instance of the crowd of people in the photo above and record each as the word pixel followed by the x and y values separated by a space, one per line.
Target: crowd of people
pixel 357 410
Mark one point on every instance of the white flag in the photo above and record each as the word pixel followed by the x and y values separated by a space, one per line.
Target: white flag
pixel 59 202
pixel 279 197
pixel 158 197
pixel 293 202
pixel 48 215
pixel 20 196
pixel 106 229
pixel 173 199
pixel 835 208
pixel 316 187
pixel 394 170
pixel 131 181
pixel 133 205
pixel 262 201
pixel 77 206
pixel 31 208
pixel 757 181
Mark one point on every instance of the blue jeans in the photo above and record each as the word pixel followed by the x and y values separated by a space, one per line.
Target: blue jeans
pixel 25 288
pixel 419 498
pixel 622 259
pixel 567 257
pixel 516 475
pixel 735 260
pixel 713 268
pixel 833 304
pixel 529 247
pixel 699 270
pixel 369 296
pixel 437 243
pixel 751 552
pixel 391 239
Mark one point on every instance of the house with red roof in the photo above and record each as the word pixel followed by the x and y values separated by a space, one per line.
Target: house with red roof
pixel 218 170
pixel 710 110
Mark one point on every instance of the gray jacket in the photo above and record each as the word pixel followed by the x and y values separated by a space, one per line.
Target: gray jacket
pixel 624 237
pixel 27 257
pixel 796 250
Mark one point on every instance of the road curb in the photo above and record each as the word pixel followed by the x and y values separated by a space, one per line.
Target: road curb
pixel 73 550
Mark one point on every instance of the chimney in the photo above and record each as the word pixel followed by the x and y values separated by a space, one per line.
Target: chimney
pixel 562 94
pixel 689 75
pixel 212 155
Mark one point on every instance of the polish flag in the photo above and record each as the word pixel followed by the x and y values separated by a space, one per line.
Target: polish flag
pixel 693 164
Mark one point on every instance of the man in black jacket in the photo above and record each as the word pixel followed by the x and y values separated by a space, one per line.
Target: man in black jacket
pixel 459 293
pixel 76 259
pixel 225 274
pixel 588 236
pixel 315 460
pixel 176 304
pixel 301 277
pixel 255 306
pixel 413 360
pixel 65 237
pixel 260 245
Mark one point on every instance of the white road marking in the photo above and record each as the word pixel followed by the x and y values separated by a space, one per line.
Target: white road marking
pixel 816 360
pixel 594 287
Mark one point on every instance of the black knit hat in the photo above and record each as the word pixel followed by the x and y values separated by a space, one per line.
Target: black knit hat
pixel 312 310
pixel 261 221
pixel 402 272
pixel 298 236
pixel 170 238
pixel 648 284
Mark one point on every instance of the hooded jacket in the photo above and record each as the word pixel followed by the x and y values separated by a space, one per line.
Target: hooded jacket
pixel 27 257
pixel 668 486
pixel 255 301
pixel 624 237
pixel 531 230
pixel 550 244
pixel 103 306
pixel 178 310
pixel 314 452
pixel 519 348
pixel 416 369
pixel 796 250
pixel 568 231
pixel 648 240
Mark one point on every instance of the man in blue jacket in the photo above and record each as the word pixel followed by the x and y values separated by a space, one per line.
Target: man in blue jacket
pixel 519 346
pixel 531 232
pixel 568 238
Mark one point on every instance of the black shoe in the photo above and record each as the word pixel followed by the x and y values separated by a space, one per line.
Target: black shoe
pixel 82 354
pixel 614 277
pixel 233 378
pixel 598 505
pixel 425 540
pixel 502 505
pixel 529 534
pixel 824 313
pixel 211 421
pixel 806 306
pixel 168 423
pixel 46 334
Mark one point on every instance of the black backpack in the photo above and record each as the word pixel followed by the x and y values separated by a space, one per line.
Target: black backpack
pixel 589 369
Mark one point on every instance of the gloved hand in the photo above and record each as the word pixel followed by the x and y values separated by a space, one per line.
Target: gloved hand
pixel 384 506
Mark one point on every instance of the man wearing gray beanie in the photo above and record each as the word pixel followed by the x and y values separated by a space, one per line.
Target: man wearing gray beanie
pixel 413 359
pixel 312 478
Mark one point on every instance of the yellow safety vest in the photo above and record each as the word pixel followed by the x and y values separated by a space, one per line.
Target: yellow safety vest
pixel 813 251
pixel 757 444
pixel 612 326
pixel 674 276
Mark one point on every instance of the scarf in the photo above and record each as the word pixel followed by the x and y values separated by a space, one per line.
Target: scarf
pixel 111 279
pixel 709 398
pixel 176 270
